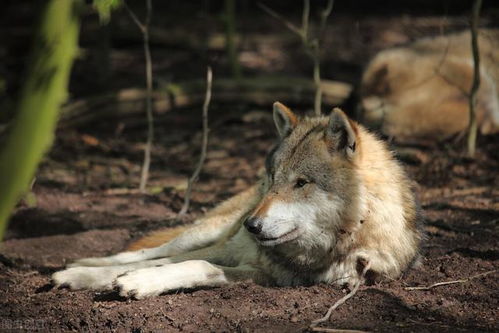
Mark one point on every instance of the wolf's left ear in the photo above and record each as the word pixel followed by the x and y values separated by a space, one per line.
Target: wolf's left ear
pixel 285 120
pixel 342 133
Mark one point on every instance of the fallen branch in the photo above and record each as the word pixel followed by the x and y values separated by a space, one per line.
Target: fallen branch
pixel 262 91
pixel 339 302
pixel 204 146
pixel 438 284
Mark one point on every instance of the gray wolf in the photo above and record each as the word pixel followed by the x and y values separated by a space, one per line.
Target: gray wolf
pixel 333 200
pixel 421 90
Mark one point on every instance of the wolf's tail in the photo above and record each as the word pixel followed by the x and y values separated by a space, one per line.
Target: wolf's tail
pixel 156 238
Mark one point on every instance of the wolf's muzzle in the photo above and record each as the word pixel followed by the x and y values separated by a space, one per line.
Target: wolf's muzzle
pixel 253 224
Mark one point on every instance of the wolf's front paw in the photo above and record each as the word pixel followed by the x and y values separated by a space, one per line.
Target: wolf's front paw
pixel 98 278
pixel 139 284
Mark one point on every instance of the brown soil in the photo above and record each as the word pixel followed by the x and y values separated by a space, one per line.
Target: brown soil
pixel 80 212
pixel 81 207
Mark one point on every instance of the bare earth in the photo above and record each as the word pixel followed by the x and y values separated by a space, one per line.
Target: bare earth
pixel 83 210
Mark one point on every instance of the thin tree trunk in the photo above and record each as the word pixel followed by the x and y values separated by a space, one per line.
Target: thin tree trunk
pixel 204 145
pixel 472 126
pixel 144 28
pixel 43 93
pixel 150 119
pixel 317 82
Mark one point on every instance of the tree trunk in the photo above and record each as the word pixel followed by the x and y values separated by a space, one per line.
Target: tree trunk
pixel 44 91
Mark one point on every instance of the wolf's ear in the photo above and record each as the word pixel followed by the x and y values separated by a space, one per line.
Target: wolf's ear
pixel 285 120
pixel 342 133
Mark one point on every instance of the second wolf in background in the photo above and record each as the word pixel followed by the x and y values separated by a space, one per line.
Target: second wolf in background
pixel 422 90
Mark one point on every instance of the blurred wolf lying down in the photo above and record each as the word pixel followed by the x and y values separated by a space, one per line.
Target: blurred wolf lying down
pixel 333 200
pixel 421 90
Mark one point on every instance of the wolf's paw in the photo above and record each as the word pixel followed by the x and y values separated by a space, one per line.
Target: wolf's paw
pixel 139 284
pixel 84 278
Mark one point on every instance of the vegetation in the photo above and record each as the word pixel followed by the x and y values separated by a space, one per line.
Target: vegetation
pixel 45 89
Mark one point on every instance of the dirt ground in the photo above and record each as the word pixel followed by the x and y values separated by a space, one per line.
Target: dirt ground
pixel 80 212
pixel 82 206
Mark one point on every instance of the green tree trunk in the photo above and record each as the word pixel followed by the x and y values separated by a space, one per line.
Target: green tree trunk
pixel 44 91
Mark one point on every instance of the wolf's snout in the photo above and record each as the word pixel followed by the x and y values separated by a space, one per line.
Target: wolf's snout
pixel 253 224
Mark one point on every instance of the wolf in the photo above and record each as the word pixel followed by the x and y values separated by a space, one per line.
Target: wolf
pixel 421 90
pixel 332 203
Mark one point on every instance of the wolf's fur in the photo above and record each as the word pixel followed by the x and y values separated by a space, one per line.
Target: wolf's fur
pixel 332 200
pixel 421 90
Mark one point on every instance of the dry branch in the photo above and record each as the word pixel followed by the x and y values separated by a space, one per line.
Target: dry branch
pixel 262 91
pixel 335 330
pixel 472 125
pixel 144 28
pixel 438 284
pixel 311 44
pixel 280 18
pixel 340 301
pixel 204 146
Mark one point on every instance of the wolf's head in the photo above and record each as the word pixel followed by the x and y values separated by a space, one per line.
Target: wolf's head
pixel 311 182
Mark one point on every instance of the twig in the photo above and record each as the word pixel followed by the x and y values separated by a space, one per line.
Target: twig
pixel 278 17
pixel 305 20
pixel 134 17
pixel 341 300
pixel 316 56
pixel 472 125
pixel 311 44
pixel 317 81
pixel 150 120
pixel 324 16
pixel 144 28
pixel 450 282
pixel 194 177
pixel 334 330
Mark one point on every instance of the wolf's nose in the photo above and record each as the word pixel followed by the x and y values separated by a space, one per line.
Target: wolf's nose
pixel 253 224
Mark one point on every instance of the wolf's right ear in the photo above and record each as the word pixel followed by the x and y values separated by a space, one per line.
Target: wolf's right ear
pixel 285 120
pixel 342 133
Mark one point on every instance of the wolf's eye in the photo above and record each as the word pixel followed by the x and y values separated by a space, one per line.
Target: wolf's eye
pixel 300 182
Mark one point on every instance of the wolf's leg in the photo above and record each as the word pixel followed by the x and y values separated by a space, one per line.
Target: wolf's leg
pixel 153 281
pixel 233 260
pixel 205 232
pixel 102 277
pixel 196 237
pixel 98 278
pixel 196 268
